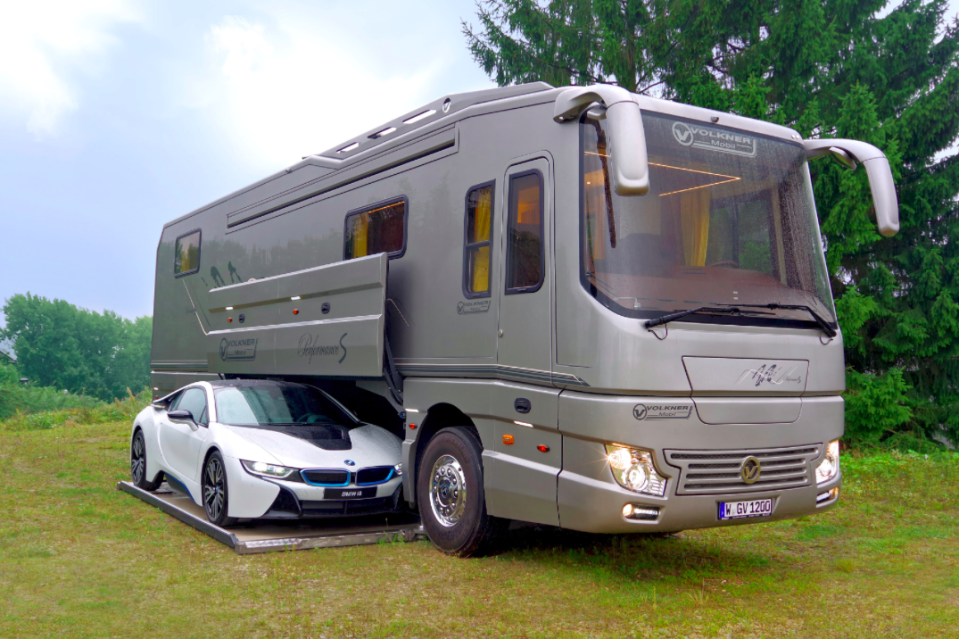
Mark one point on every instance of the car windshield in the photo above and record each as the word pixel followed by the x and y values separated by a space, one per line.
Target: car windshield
pixel 277 404
pixel 729 220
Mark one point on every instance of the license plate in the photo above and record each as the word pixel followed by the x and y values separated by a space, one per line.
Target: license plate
pixel 741 509
pixel 349 493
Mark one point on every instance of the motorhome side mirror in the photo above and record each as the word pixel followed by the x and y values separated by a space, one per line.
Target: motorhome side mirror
pixel 181 415
pixel 848 152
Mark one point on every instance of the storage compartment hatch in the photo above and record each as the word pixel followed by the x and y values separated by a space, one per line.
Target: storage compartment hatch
pixel 327 321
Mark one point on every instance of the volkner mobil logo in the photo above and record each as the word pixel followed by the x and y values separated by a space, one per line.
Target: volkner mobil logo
pixel 702 137
pixel 309 347
pixel 237 349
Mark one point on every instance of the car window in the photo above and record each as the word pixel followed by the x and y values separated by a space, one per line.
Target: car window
pixel 194 400
pixel 276 404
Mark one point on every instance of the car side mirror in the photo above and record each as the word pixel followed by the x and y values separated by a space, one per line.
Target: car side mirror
pixel 847 153
pixel 629 164
pixel 181 416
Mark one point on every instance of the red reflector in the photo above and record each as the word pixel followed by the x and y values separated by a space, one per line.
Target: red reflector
pixel 543 449
pixel 412 426
pixel 296 311
pixel 229 319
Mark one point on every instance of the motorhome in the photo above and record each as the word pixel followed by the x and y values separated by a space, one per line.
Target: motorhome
pixel 579 307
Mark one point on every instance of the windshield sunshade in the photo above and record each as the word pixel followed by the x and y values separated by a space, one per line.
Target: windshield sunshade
pixel 729 220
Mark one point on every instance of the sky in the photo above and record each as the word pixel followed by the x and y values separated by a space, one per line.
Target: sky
pixel 117 116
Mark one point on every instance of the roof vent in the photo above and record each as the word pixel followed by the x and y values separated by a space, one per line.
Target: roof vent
pixel 348 148
pixel 419 116
pixel 385 131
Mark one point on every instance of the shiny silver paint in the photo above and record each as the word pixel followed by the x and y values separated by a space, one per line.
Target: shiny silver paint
pixel 582 367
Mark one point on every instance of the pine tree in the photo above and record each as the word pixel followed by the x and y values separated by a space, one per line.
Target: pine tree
pixel 828 68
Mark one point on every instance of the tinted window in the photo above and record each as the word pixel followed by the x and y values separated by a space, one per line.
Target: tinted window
pixel 479 224
pixel 524 261
pixel 194 400
pixel 379 229
pixel 186 259
pixel 276 404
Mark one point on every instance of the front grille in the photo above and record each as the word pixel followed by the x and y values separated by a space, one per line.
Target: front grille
pixel 709 472
pixel 327 477
pixel 371 476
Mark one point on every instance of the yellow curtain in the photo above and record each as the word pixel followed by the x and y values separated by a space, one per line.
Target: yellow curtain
pixel 694 208
pixel 361 224
pixel 479 260
pixel 482 215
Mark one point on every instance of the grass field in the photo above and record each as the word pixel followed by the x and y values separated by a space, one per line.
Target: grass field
pixel 80 559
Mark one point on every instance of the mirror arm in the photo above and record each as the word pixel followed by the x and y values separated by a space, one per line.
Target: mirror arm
pixel 877 169
pixel 626 142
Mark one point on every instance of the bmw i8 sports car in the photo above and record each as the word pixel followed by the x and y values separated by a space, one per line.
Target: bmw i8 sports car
pixel 248 449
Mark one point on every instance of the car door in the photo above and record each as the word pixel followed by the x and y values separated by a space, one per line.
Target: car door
pixel 180 442
pixel 521 483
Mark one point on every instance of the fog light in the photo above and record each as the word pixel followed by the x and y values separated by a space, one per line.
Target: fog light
pixel 641 513
pixel 829 495
pixel 829 467
pixel 633 469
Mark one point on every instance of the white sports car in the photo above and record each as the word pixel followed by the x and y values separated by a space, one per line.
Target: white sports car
pixel 249 449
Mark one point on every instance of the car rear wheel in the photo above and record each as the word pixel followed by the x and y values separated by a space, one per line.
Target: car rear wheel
pixel 138 463
pixel 216 498
pixel 451 498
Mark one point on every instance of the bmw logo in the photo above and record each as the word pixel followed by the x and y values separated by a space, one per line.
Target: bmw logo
pixel 350 462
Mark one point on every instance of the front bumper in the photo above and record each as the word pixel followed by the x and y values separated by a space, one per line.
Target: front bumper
pixel 592 505
pixel 254 497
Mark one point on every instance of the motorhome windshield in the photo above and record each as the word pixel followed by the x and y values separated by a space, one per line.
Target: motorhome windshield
pixel 729 220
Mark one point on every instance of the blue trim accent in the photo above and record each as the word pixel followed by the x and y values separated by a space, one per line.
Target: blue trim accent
pixel 173 481
pixel 377 483
pixel 333 470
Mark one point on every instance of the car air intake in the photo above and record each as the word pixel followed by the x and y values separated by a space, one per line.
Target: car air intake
pixel 370 476
pixel 327 477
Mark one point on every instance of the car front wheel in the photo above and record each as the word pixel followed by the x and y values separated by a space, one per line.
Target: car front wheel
pixel 451 497
pixel 216 499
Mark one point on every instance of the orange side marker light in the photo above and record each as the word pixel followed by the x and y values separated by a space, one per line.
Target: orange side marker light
pixel 508 440
pixel 542 448
pixel 412 426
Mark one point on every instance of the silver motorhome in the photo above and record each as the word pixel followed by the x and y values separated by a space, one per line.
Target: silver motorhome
pixel 581 307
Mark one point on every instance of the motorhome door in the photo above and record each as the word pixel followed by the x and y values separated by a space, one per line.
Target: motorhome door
pixel 524 286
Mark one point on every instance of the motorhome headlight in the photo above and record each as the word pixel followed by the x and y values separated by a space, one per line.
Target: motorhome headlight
pixel 829 466
pixel 398 470
pixel 633 469
pixel 267 470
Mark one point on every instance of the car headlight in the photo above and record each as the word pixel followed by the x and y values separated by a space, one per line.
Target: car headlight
pixel 633 469
pixel 829 466
pixel 267 470
pixel 398 470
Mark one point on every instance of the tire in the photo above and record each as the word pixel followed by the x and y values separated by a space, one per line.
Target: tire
pixel 451 498
pixel 138 464
pixel 215 491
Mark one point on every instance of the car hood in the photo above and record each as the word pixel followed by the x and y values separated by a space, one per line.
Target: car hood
pixel 371 446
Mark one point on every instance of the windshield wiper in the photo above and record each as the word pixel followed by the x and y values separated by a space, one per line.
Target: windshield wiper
pixel 823 324
pixel 672 317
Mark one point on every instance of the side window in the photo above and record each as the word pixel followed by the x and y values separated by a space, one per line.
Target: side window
pixel 194 400
pixel 479 227
pixel 380 228
pixel 186 258
pixel 524 249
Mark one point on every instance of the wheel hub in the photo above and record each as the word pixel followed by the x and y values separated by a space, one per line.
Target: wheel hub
pixel 448 491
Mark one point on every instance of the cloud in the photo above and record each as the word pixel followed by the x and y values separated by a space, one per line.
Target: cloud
pixel 289 88
pixel 41 45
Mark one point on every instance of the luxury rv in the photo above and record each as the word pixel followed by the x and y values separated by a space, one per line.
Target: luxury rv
pixel 577 306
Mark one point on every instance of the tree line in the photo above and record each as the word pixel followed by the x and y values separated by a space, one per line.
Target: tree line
pixel 867 70
pixel 60 346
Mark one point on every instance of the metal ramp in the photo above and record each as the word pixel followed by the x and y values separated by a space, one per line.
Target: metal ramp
pixel 299 534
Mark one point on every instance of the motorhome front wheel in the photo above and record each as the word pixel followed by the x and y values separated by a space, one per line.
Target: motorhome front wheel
pixel 450 495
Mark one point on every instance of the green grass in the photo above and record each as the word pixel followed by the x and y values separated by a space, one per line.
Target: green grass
pixel 80 559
